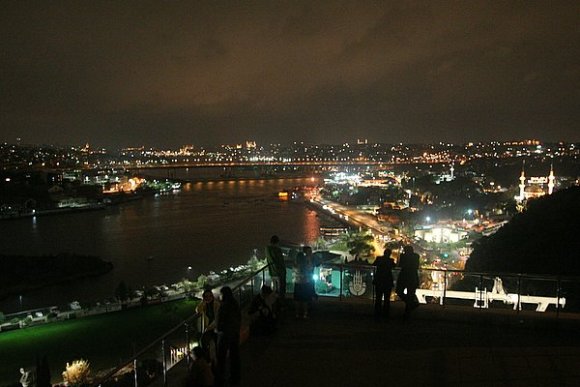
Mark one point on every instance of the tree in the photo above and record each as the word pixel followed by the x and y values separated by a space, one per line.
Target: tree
pixel 360 244
pixel 321 244
pixel 122 292
pixel 202 281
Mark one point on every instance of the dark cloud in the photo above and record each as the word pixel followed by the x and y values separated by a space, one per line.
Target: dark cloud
pixel 170 73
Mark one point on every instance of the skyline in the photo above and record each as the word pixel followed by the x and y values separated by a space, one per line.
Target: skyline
pixel 173 73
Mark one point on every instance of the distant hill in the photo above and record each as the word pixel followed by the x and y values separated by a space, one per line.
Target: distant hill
pixel 545 239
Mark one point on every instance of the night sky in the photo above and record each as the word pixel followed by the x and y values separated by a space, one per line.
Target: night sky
pixel 168 73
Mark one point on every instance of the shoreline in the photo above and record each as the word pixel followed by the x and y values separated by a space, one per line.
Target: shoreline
pixel 55 211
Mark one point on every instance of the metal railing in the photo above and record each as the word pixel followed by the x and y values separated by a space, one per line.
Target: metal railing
pixel 543 293
pixel 444 287
pixel 173 347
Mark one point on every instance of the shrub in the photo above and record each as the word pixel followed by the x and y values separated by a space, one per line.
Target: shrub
pixel 77 373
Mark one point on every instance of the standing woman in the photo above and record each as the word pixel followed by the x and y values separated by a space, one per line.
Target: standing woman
pixel 229 321
pixel 303 282
pixel 408 280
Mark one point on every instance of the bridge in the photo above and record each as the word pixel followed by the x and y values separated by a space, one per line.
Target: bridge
pixel 236 164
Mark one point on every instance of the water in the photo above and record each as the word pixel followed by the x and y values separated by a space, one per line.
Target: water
pixel 208 226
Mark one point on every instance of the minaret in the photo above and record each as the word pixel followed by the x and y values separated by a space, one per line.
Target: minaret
pixel 551 180
pixel 451 171
pixel 522 181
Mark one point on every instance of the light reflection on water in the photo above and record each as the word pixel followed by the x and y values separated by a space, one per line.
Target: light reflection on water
pixel 209 226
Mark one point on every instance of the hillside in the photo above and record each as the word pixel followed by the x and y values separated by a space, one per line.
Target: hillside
pixel 544 239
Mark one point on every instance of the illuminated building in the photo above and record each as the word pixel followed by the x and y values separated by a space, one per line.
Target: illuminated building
pixel 534 187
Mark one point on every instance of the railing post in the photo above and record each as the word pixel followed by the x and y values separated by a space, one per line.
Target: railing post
pixel 164 361
pixel 187 343
pixel 252 286
pixel 444 287
pixel 341 274
pixel 518 306
pixel 480 292
pixel 374 287
pixel 558 294
pixel 135 371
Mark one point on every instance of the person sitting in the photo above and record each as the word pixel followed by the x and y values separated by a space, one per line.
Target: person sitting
pixel 199 373
pixel 263 318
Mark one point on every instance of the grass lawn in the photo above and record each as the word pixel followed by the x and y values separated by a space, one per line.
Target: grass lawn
pixel 102 340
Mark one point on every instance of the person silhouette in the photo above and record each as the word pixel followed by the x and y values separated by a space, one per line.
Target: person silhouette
pixel 208 310
pixel 261 312
pixel 199 373
pixel 408 279
pixel 229 320
pixel 276 266
pixel 304 290
pixel 383 281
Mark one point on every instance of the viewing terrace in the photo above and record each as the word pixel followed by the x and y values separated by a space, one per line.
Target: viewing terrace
pixel 445 342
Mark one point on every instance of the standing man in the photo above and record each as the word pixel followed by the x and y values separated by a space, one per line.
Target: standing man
pixel 408 278
pixel 277 266
pixel 383 282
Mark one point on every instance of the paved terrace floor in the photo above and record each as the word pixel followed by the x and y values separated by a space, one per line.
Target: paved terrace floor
pixel 341 345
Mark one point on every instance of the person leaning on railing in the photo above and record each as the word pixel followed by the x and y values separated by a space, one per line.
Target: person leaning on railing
pixel 208 310
pixel 276 266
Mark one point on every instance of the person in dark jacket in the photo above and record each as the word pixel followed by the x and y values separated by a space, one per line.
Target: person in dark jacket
pixel 383 281
pixel 261 313
pixel 199 374
pixel 277 266
pixel 408 279
pixel 228 325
